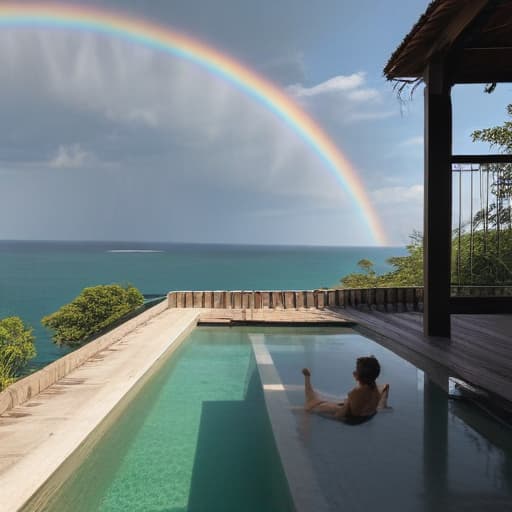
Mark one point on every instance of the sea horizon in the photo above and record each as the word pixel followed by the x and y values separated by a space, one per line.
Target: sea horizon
pixel 233 244
pixel 37 277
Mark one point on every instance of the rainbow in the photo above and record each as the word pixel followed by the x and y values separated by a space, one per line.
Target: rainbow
pixel 164 39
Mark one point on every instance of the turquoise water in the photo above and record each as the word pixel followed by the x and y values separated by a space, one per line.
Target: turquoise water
pixel 36 278
pixel 196 438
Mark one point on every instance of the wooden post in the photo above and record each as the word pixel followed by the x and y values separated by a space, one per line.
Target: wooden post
pixel 438 200
pixel 172 299
pixel 289 300
pixel 198 299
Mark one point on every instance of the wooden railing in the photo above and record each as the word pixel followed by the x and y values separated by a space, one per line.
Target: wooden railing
pixel 378 298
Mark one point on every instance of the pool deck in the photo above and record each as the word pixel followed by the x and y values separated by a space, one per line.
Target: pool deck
pixel 38 436
pixel 278 317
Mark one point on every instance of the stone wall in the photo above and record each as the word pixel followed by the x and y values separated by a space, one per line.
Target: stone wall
pixel 24 389
pixel 378 298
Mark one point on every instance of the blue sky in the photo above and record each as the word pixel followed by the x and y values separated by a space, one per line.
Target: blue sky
pixel 101 139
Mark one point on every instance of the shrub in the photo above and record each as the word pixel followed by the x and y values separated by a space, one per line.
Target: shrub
pixel 16 349
pixel 94 309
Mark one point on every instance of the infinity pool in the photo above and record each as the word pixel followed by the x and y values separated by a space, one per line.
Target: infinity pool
pixel 197 437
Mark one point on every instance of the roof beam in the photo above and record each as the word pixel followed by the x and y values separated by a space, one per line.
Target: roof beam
pixel 483 65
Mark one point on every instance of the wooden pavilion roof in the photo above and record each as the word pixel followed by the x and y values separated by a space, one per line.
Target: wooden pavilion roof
pixel 475 36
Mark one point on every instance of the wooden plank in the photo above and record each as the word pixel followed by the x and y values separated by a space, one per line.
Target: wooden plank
pixel 483 64
pixel 481 159
pixel 320 299
pixel 172 299
pixel 309 299
pixel 198 299
pixel 476 76
pixel 180 299
pixel 218 299
pixel 481 305
pixel 277 299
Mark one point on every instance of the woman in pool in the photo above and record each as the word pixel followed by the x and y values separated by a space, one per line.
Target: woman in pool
pixel 361 403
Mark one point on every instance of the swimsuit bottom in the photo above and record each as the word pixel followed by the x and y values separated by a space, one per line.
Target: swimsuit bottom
pixel 349 420
pixel 357 420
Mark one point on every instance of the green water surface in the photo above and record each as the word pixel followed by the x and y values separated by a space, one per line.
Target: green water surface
pixel 195 438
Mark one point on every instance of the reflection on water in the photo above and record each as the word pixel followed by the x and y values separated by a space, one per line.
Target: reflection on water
pixel 429 453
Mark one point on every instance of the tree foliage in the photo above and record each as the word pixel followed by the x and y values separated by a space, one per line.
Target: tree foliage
pixel 93 310
pixel 476 259
pixel 16 349
pixel 499 211
pixel 482 253
pixel 500 136
pixel 407 270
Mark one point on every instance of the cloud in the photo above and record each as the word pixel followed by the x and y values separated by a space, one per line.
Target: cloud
pixel 144 109
pixel 370 115
pixel 398 195
pixel 333 85
pixel 70 157
pixel 173 131
pixel 343 99
pixel 413 141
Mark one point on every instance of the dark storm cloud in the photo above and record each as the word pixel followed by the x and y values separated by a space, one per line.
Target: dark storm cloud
pixel 268 36
pixel 109 140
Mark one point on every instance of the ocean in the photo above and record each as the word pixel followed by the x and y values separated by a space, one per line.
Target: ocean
pixel 36 278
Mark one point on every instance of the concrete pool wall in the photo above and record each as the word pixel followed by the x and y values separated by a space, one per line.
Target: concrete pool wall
pixel 30 386
pixel 40 435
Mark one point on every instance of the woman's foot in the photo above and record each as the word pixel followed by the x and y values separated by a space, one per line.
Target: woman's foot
pixel 306 372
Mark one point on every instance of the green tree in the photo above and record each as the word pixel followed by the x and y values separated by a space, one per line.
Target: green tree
pixel 481 256
pixel 364 279
pixel 477 261
pixel 94 309
pixel 499 211
pixel 16 349
pixel 500 136
pixel 407 271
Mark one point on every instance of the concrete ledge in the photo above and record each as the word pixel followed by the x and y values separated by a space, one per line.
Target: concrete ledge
pixel 28 387
pixel 304 488
pixel 37 437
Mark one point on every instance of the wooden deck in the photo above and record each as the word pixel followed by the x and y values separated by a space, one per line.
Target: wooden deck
pixel 300 316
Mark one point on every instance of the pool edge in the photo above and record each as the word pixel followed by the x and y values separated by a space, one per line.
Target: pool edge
pixel 22 482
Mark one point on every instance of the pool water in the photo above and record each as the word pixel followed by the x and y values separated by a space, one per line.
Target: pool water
pixel 428 453
pixel 197 436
